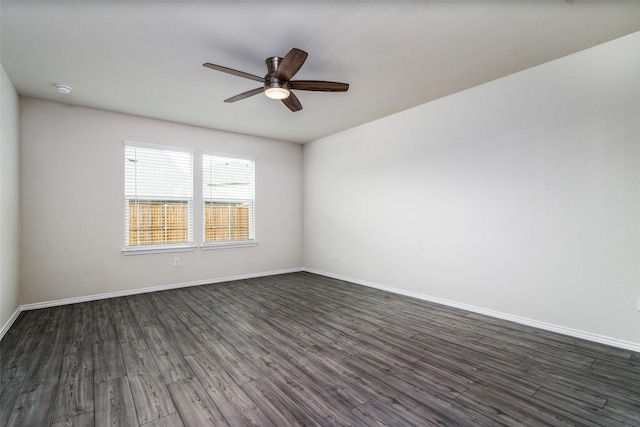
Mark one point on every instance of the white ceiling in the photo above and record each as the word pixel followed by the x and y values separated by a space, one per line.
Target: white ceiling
pixel 145 58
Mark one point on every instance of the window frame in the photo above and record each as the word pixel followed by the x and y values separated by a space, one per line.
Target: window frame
pixel 189 245
pixel 221 244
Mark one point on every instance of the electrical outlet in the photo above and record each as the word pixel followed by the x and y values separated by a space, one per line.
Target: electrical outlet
pixel 176 262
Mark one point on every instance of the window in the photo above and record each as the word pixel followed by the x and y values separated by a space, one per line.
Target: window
pixel 228 196
pixel 158 196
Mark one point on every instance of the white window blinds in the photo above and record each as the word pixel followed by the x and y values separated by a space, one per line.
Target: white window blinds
pixel 158 195
pixel 228 196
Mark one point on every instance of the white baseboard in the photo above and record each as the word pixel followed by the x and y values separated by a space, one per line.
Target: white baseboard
pixel 128 292
pixel 9 322
pixel 627 345
pixel 74 300
pixel 500 315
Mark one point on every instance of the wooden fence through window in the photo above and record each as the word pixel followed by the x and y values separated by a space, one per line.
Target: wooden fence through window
pixel 158 222
pixel 167 222
pixel 226 221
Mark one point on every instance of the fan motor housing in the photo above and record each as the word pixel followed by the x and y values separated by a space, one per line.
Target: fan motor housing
pixel 271 82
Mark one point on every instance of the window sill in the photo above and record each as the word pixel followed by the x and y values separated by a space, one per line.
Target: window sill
pixel 228 245
pixel 157 249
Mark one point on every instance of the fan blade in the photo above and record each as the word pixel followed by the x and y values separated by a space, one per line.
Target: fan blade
pixel 290 64
pixel 292 102
pixel 245 94
pixel 233 72
pixel 320 86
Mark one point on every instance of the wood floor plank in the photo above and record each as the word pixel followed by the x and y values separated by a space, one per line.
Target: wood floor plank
pixel 127 328
pixel 165 314
pixel 575 392
pixel 231 400
pixel 194 404
pixel 81 420
pixel 624 412
pixel 73 398
pixel 581 378
pixel 185 312
pixel 75 390
pixel 403 399
pixel 114 403
pixel 141 310
pixel 104 328
pixel 58 319
pixel 108 361
pixel 46 362
pixel 138 360
pixel 577 407
pixel 9 392
pixel 77 361
pixel 185 340
pixel 170 362
pixel 17 355
pixel 375 414
pixel 150 396
pixel 80 323
pixel 275 403
pixel 172 420
pixel 503 341
pixel 516 409
pixel 35 322
pixel 619 371
pixel 148 389
pixel 286 362
pixel 322 410
pixel 429 380
pixel 238 367
pixel 470 370
pixel 417 407
pixel 33 408
pixel 544 339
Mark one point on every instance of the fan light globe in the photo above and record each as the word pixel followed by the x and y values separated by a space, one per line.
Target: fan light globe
pixel 276 93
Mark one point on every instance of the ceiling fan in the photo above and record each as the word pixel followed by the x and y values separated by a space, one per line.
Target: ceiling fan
pixel 277 84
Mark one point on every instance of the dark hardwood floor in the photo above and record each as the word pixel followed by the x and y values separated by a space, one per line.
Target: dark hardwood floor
pixel 301 349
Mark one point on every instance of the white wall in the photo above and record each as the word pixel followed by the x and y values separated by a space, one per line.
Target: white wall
pixel 520 196
pixel 9 201
pixel 72 181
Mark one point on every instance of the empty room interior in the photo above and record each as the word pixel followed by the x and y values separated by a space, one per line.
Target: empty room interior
pixel 431 218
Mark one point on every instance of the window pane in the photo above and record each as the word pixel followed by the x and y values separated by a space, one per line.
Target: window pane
pixel 226 221
pixel 159 194
pixel 228 193
pixel 157 223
